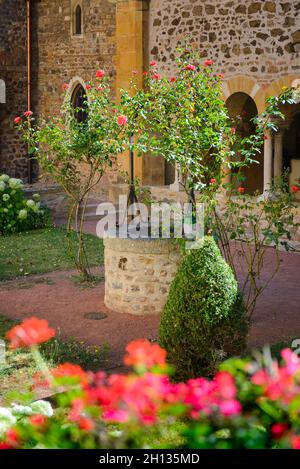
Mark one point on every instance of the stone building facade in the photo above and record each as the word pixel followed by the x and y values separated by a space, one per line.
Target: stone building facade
pixel 255 44
pixel 13 85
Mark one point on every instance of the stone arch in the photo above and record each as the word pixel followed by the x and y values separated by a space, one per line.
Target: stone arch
pixel 242 84
pixel 2 92
pixel 243 105
pixel 275 88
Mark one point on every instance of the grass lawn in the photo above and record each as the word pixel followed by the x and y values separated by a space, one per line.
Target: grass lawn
pixel 40 251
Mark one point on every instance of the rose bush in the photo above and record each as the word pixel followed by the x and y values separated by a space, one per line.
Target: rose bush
pixel 248 404
pixel 16 213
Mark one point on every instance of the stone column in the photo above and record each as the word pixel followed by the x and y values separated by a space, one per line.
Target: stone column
pixel 268 160
pixel 278 141
pixel 177 186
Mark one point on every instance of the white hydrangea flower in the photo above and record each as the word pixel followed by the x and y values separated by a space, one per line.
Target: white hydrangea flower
pixel 5 210
pixel 30 203
pixel 23 214
pixel 5 197
pixel 42 408
pixel 15 183
pixel 4 177
pixel 2 186
pixel 7 420
pixel 21 410
pixel 36 197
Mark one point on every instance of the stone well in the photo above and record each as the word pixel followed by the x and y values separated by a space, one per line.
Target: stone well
pixel 138 274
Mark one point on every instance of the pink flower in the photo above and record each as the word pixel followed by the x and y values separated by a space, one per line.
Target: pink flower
pixel 30 332
pixel 65 86
pixel 266 137
pixel 278 430
pixel 17 120
pixel 122 120
pixel 212 181
pixel 241 190
pixel 100 88
pixel 134 72
pixel 233 130
pixel 28 113
pixel 295 189
pixel 226 385
pixel 208 63
pixel 88 87
pixel 100 73
pixel 156 76
pixel 190 67
pixel 142 352
pixel 230 407
pixel 37 420
pixel 295 441
pixel 153 63
pixel 172 79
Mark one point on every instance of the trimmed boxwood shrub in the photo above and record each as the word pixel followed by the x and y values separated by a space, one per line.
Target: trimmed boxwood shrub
pixel 204 320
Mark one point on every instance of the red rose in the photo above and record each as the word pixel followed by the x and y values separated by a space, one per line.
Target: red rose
pixel 88 87
pixel 266 137
pixel 212 181
pixel 28 113
pixel 295 189
pixel 208 63
pixel 241 190
pixel 145 74
pixel 172 79
pixel 153 63
pixel 17 120
pixel 100 73
pixel 278 430
pixel 30 332
pixel 156 76
pixel 122 120
pixel 190 67
pixel 65 86
pixel 99 88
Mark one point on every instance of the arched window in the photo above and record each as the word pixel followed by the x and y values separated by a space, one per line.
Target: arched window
pixel 78 20
pixel 79 102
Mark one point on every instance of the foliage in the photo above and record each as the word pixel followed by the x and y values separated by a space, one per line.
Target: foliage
pixel 76 152
pixel 246 227
pixel 42 251
pixel 203 320
pixel 248 404
pixel 17 213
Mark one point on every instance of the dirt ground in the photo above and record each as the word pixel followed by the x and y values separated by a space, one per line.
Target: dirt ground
pixel 55 297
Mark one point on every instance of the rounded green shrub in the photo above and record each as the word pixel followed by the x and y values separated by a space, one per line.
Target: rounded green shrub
pixel 16 212
pixel 204 320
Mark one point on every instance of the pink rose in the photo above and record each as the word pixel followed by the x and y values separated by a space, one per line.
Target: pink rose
pixel 156 76
pixel 190 67
pixel 28 113
pixel 17 120
pixel 100 73
pixel 65 86
pixel 153 63
pixel 122 120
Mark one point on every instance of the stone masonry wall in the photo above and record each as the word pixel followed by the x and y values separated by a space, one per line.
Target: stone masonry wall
pixel 59 56
pixel 138 274
pixel 260 39
pixel 13 151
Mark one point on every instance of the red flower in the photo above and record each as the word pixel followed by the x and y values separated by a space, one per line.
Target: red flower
pixel 100 88
pixel 153 63
pixel 122 120
pixel 37 420
pixel 100 73
pixel 85 424
pixel 233 130
pixel 156 76
pixel 295 441
pixel 221 76
pixel 212 181
pixel 295 189
pixel 28 113
pixel 65 86
pixel 241 190
pixel 278 430
pixel 190 67
pixel 17 120
pixel 88 87
pixel 172 79
pixel 266 137
pixel 208 63
pixel 68 370
pixel 145 74
pixel 32 331
pixel 142 352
